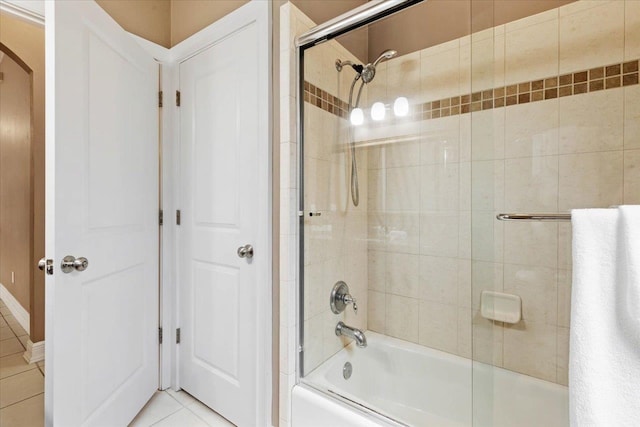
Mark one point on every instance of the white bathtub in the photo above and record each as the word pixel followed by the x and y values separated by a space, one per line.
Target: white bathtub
pixel 419 386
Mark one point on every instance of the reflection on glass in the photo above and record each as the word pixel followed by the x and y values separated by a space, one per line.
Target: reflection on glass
pixel 357 116
pixel 401 106
pixel 378 111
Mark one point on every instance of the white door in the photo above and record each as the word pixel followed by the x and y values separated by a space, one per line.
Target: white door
pixel 224 185
pixel 101 204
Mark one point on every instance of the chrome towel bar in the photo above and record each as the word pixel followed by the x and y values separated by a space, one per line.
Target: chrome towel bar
pixel 534 217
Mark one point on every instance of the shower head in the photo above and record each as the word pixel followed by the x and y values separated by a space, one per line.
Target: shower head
pixel 366 73
pixel 386 55
pixel 369 71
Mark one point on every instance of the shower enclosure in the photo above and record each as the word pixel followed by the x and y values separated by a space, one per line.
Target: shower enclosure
pixel 442 147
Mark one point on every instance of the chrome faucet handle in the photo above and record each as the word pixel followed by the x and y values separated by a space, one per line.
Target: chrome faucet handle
pixel 348 299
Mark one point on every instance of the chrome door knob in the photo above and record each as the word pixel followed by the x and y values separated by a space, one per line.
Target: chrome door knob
pixel 70 263
pixel 81 263
pixel 46 265
pixel 245 251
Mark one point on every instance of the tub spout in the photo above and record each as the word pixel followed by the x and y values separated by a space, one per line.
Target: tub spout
pixel 348 331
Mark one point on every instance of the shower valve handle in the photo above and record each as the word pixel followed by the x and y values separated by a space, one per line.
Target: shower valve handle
pixel 340 298
pixel 348 299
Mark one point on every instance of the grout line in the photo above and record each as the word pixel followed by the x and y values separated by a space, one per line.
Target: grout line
pixel 18 373
pixel 170 395
pixel 558 250
pixel 624 102
pixel 168 415
pixel 15 403
pixel 17 352
pixel 197 416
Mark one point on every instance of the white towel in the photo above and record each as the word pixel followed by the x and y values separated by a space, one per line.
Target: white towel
pixel 604 359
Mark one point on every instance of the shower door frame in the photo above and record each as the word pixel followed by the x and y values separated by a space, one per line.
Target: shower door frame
pixel 347 22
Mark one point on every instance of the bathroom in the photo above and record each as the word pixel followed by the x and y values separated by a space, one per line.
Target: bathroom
pixel 326 213
pixel 476 111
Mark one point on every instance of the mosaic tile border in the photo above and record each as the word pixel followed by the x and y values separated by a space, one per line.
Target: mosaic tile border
pixel 323 99
pixel 577 83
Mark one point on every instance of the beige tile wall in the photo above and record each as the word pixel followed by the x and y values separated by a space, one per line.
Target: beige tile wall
pixel 419 207
pixel 335 242
pixel 434 242
pixel 335 246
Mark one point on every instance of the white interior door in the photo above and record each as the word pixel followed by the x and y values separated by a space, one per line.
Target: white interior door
pixel 102 204
pixel 224 194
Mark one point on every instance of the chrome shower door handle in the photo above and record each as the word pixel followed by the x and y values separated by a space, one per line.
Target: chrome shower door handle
pixel 245 251
pixel 70 263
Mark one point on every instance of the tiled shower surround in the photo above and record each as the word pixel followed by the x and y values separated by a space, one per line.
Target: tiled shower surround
pixel 336 240
pixel 539 115
pixel 336 235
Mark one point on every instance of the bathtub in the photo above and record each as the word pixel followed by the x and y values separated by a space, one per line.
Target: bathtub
pixel 418 386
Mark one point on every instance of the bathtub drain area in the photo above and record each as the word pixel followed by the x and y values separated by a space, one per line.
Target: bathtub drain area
pixel 347 370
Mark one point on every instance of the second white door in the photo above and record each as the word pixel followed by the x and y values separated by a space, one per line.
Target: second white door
pixel 223 208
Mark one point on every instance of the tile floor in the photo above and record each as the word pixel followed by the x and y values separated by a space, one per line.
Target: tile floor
pixel 22 390
pixel 21 384
pixel 177 409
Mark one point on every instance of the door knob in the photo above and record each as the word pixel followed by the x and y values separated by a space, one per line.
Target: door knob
pixel 245 251
pixel 70 263
pixel 46 265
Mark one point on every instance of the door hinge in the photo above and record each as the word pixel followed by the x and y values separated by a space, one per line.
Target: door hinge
pixel 178 98
pixel 161 217
pixel 178 336
pixel 160 99
pixel 160 335
pixel 178 217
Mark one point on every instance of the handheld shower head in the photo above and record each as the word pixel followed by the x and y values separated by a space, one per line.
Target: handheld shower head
pixel 366 73
pixel 386 55
pixel 369 71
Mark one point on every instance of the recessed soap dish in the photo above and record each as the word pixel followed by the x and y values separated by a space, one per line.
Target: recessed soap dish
pixel 500 307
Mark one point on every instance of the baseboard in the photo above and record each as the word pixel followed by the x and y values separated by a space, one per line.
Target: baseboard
pixel 21 315
pixel 35 352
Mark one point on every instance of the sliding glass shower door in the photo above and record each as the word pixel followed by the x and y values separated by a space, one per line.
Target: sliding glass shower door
pixel 443 148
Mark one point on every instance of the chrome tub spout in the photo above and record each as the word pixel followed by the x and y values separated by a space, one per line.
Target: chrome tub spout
pixel 348 331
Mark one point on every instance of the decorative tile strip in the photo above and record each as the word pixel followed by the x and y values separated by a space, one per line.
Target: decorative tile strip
pixel 323 99
pixel 580 82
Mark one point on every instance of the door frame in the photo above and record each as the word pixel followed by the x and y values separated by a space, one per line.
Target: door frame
pixel 28 10
pixel 168 163
pixel 169 59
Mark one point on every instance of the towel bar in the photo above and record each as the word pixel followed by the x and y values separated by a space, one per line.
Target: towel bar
pixel 533 217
